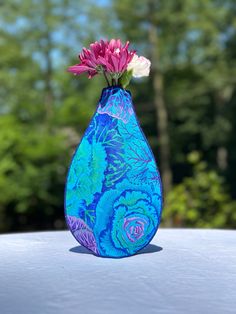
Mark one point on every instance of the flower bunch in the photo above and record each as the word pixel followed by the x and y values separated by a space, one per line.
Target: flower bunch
pixel 112 59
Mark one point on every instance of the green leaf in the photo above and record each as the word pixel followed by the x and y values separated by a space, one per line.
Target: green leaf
pixel 125 78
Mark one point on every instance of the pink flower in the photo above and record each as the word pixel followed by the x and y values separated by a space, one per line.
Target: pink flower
pixel 104 56
pixel 116 57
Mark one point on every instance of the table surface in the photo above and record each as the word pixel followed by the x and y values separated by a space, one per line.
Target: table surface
pixel 181 271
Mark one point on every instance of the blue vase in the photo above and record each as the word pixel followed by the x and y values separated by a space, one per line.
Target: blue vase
pixel 113 196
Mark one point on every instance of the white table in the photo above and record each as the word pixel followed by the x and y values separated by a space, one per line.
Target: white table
pixel 182 271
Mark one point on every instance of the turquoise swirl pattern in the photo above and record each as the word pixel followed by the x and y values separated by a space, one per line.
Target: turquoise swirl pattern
pixel 113 195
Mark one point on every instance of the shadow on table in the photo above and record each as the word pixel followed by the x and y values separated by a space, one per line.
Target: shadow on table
pixel 150 248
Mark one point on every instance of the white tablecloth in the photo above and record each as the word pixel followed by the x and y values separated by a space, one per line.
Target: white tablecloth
pixel 182 271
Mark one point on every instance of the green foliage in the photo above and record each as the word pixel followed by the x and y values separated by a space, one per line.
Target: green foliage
pixel 33 164
pixel 125 78
pixel 201 200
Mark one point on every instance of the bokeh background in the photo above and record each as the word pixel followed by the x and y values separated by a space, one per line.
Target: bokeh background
pixel 187 107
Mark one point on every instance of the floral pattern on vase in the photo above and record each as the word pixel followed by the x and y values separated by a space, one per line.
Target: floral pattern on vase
pixel 113 196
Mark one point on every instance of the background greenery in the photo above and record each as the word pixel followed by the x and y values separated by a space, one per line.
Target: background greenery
pixel 187 107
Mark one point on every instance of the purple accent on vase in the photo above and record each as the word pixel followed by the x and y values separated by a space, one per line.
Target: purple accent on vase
pixel 134 228
pixel 82 233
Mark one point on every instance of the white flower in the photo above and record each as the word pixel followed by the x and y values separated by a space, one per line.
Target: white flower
pixel 140 66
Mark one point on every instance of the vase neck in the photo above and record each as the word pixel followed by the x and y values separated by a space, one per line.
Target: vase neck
pixel 116 102
pixel 115 91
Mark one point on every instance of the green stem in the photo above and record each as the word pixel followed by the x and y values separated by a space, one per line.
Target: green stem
pixel 106 78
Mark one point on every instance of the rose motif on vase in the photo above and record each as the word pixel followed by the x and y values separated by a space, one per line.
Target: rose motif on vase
pixel 134 227
pixel 134 221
